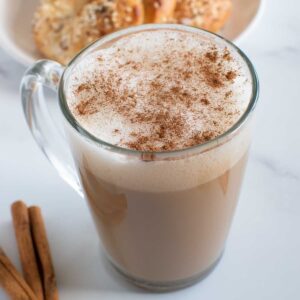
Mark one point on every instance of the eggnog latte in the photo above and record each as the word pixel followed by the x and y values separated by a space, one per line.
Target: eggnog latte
pixel 164 180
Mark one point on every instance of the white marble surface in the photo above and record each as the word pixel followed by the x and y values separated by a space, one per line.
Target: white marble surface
pixel 262 256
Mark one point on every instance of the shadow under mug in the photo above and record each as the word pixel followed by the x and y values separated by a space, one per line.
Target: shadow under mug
pixel 163 217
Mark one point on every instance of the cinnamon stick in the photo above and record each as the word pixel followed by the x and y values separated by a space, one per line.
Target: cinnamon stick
pixel 12 281
pixel 41 244
pixel 26 249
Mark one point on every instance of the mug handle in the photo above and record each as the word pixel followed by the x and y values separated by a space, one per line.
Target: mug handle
pixel 47 73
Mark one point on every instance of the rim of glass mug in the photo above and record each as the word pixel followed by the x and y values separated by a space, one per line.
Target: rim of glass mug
pixel 158 154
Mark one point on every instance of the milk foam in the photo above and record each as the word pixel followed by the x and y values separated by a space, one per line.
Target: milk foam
pixel 180 172
pixel 152 67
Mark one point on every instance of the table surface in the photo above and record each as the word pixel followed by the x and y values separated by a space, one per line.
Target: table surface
pixel 261 260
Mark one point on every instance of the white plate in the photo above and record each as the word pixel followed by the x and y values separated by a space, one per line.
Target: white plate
pixel 16 18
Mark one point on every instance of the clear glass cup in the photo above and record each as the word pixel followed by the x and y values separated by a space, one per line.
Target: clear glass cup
pixel 163 217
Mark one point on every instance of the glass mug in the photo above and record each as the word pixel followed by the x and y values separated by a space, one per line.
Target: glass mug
pixel 163 217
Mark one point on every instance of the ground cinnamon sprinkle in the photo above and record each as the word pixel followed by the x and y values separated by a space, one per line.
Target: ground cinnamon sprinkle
pixel 212 55
pixel 187 74
pixel 83 87
pixel 204 101
pixel 199 138
pixel 226 55
pixel 228 94
pixel 230 75
pixel 86 107
pixel 167 110
pixel 213 69
pixel 165 126
pixel 212 78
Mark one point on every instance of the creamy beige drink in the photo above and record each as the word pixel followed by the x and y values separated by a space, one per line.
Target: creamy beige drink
pixel 162 204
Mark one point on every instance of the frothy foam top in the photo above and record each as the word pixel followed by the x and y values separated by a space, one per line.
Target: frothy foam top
pixel 159 90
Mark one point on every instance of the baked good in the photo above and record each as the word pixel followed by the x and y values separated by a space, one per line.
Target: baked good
pixel 207 14
pixel 159 11
pixel 61 28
